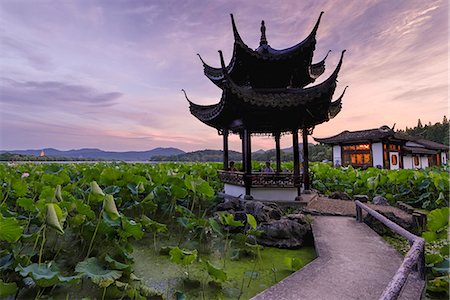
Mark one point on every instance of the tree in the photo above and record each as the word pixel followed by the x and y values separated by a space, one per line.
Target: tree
pixel 419 124
pixel 445 121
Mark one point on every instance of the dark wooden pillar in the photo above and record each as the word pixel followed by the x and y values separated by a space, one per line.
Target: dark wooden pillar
pixel 305 160
pixel 248 163
pixel 296 157
pixel 278 151
pixel 225 150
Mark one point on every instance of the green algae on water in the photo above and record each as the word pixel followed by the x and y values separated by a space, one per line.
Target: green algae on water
pixel 246 276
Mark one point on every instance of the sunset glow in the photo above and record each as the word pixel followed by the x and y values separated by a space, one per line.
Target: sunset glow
pixel 109 74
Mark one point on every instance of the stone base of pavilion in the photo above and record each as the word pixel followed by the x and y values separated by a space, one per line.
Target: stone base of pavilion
pixel 268 187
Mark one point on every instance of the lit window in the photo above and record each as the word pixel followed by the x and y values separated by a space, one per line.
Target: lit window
pixel 363 147
pixel 394 160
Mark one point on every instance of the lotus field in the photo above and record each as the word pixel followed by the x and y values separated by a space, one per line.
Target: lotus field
pixel 94 229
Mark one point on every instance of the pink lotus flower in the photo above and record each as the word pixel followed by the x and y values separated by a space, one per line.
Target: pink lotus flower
pixel 24 175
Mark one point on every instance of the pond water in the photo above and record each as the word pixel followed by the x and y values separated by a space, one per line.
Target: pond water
pixel 246 276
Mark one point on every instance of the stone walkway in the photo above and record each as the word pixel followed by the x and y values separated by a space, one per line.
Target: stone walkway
pixel 353 263
pixel 324 205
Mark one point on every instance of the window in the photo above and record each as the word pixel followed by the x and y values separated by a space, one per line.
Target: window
pixel 357 155
pixel 416 160
pixel 394 147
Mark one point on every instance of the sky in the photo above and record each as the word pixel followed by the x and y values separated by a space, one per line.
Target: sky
pixel 108 74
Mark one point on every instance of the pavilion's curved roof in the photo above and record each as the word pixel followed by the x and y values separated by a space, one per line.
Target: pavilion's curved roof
pixel 269 67
pixel 287 108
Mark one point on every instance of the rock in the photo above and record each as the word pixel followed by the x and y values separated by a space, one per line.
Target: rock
pixel 289 231
pixel 380 200
pixel 284 233
pixel 361 198
pixel 229 204
pixel 262 212
pixel 299 218
pixel 340 195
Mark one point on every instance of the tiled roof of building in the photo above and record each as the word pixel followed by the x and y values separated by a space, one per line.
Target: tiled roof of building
pixel 378 134
pixel 368 135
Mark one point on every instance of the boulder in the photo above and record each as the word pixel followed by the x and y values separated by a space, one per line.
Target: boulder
pixel 340 195
pixel 361 198
pixel 284 233
pixel 229 204
pixel 380 200
pixel 290 231
pixel 262 212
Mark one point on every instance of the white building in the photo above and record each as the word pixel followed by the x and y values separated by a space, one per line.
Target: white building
pixel 384 148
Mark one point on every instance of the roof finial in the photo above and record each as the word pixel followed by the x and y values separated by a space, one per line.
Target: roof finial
pixel 263 40
pixel 318 22
pixel 201 58
pixel 185 95
pixel 237 37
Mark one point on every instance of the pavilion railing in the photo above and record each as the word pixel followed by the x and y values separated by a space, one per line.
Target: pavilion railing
pixel 414 259
pixel 275 179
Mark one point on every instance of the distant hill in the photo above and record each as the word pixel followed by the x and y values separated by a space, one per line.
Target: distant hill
pixel 316 153
pixel 97 154
pixel 201 155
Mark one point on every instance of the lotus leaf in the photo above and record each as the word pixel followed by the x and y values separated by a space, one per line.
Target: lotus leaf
pixel 251 221
pixel 109 205
pixel 131 228
pixel 443 266
pixel 438 219
pixel 7 289
pixel 293 263
pixel 54 217
pixel 92 269
pixel 95 189
pixel 182 256
pixel 217 274
pixel 115 264
pixel 228 219
pixel 45 275
pixel 26 203
pixel 10 230
pixel 58 195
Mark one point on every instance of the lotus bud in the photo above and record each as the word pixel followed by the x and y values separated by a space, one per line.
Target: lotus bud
pixel 58 195
pixel 95 189
pixel 110 207
pixel 52 218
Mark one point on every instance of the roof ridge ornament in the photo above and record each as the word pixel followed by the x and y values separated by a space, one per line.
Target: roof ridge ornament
pixel 338 67
pixel 317 23
pixel 185 95
pixel 237 37
pixel 203 62
pixel 263 40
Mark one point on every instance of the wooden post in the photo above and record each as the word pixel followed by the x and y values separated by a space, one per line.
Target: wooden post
pixel 421 263
pixel 248 163
pixel 296 158
pixel 225 150
pixel 305 160
pixel 359 214
pixel 241 135
pixel 278 151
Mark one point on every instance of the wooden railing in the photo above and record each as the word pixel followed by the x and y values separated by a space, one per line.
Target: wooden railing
pixel 275 179
pixel 413 261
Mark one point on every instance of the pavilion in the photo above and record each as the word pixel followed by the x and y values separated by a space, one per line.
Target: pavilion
pixel 269 92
